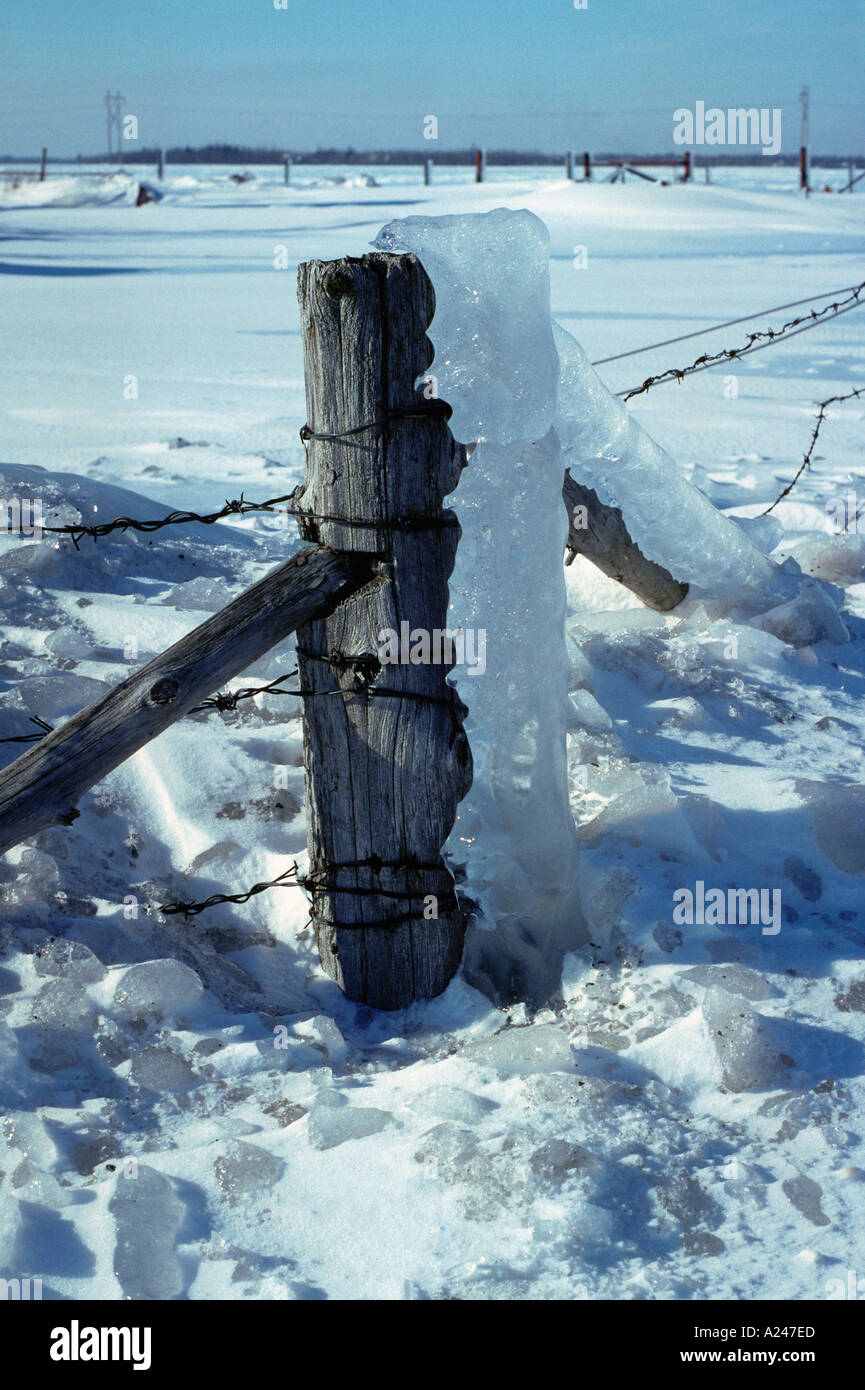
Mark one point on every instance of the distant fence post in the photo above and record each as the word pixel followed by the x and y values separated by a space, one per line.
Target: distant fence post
pixel 587 165
pixel 385 755
pixel 803 169
pixel 480 165
pixel 427 171
pixel 42 165
pixel 287 172
pixel 160 164
pixel 686 177
pixel 569 164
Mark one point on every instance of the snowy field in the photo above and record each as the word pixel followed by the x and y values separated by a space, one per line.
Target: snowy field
pixel 683 1121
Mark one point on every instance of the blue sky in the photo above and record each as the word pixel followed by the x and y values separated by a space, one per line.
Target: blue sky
pixel 529 74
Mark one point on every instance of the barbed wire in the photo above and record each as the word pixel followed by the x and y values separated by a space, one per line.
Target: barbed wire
pixel 318 884
pixel 226 700
pixel 815 433
pixel 223 701
pixel 754 342
pixel 237 507
pixel 282 880
pixel 241 507
pixel 716 327
pixel 432 409
pixel 31 738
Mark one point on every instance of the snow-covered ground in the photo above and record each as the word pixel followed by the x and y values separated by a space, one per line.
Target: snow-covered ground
pixel 190 1107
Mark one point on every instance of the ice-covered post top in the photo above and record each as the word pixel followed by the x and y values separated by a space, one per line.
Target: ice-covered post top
pixel 496 362
pixel 497 367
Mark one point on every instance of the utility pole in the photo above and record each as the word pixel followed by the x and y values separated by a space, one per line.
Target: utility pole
pixel 114 106
pixel 804 157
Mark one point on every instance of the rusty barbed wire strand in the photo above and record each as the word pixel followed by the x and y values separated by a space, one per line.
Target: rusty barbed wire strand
pixel 432 409
pixel 185 909
pixel 223 702
pixel 313 884
pixel 815 433
pixel 761 338
pixel 238 507
pixel 226 700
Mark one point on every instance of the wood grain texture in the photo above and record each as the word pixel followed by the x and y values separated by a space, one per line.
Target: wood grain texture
pixel 384 771
pixel 43 786
pixel 605 541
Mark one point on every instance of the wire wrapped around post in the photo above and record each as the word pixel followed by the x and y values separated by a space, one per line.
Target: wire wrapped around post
pixel 386 764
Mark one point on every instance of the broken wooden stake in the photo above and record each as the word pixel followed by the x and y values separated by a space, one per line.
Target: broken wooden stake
pixel 599 532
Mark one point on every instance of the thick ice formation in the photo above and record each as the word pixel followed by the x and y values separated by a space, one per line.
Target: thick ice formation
pixel 671 521
pixel 496 366
pixel 522 389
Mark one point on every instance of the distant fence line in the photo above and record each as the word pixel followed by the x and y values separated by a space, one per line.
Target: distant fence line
pixel 478 160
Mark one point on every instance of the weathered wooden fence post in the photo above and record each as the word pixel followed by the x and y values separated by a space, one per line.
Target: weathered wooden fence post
pixel 480 165
pixel 160 164
pixel 569 164
pixel 386 757
pixel 287 172
pixel 587 165
pixel 427 171
pixel 42 164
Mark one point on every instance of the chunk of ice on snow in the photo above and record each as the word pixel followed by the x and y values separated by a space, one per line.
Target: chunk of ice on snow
pixel 452 1103
pixel 160 1069
pixel 742 1041
pixel 62 1005
pixel 245 1169
pixel 147 1215
pixel 28 1134
pixel 734 978
pixel 164 987
pixel 540 1047
pixel 329 1127
pixel 70 959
